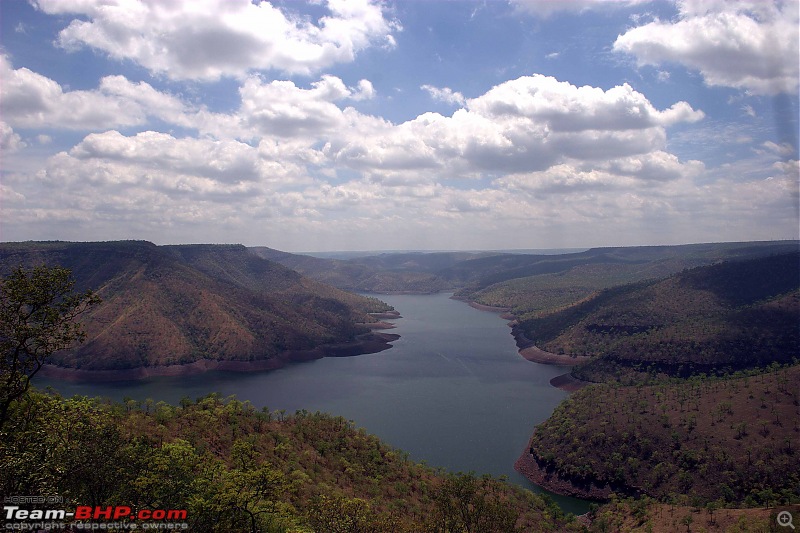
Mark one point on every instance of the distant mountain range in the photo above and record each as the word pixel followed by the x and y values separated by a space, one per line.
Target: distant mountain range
pixel 480 276
pixel 169 305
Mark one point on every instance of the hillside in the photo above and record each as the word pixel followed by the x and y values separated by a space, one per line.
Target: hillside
pixel 233 468
pixel 383 274
pixel 198 303
pixel 524 282
pixel 731 440
pixel 549 283
pixel 709 320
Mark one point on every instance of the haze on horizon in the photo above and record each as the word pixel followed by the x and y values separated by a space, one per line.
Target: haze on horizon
pixel 400 125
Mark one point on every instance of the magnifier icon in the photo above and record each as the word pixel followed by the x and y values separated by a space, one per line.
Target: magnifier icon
pixel 785 519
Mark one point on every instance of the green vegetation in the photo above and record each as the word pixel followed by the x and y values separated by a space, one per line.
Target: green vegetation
pixel 181 304
pixel 533 296
pixel 708 419
pixel 526 283
pixel 645 515
pixel 698 406
pixel 703 440
pixel 236 468
pixel 38 312
pixel 708 320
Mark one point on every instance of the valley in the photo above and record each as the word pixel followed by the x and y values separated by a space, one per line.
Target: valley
pixel 684 359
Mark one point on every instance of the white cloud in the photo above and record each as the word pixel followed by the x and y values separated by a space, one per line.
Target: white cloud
pixel 445 94
pixel 161 157
pixel 747 45
pixel 627 173
pixel 545 8
pixel 781 150
pixel 9 141
pixel 191 39
pixel 565 107
pixel 365 91
pixel 282 109
pixel 32 100
pixel 523 125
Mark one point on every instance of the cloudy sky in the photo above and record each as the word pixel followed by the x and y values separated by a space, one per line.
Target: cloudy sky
pixel 404 124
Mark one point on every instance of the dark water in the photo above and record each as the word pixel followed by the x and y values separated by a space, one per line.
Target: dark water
pixel 453 391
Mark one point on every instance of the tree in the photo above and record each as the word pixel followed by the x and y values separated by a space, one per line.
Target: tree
pixel 38 316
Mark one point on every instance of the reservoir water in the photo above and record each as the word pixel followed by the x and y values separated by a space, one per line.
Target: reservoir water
pixel 453 391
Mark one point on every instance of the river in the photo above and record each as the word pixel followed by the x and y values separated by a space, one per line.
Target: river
pixel 452 391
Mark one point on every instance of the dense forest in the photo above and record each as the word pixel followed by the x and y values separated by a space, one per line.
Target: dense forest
pixel 235 468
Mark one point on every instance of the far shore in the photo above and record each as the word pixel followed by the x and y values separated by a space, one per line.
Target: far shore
pixel 367 343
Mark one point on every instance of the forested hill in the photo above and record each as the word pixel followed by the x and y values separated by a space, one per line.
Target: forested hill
pixel 165 305
pixel 234 468
pixel 714 319
pixel 731 441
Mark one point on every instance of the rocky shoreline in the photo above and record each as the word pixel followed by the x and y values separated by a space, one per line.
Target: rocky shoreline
pixel 367 343
pixel 549 480
pixel 569 383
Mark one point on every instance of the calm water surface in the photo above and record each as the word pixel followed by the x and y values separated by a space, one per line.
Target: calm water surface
pixel 453 391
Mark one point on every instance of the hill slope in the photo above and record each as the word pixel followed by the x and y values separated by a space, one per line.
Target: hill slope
pixel 544 284
pixel 184 304
pixel 525 282
pixel 385 273
pixel 234 468
pixel 734 440
pixel 713 319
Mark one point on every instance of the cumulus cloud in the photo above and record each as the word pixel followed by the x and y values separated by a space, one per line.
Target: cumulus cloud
pixel 9 141
pixel 523 125
pixel 273 156
pixel 153 155
pixel 32 100
pixel 445 94
pixel 565 107
pixel 189 39
pixel 627 173
pixel 752 46
pixel 365 91
pixel 281 108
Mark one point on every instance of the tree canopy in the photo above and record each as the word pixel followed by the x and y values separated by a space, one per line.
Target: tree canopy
pixel 39 308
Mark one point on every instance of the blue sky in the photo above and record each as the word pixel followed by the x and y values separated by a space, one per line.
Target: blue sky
pixel 358 125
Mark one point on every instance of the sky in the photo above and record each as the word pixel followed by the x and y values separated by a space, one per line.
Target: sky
pixel 399 125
